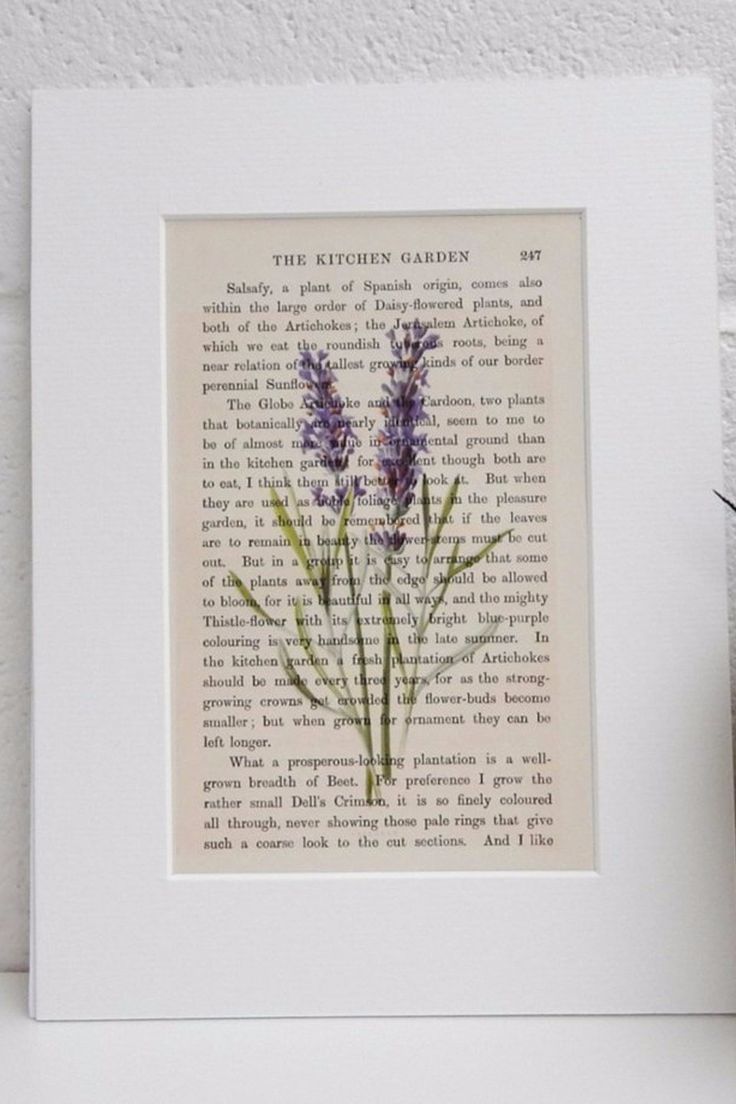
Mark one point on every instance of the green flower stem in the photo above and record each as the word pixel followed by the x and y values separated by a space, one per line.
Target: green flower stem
pixel 425 619
pixel 388 629
pixel 413 688
pixel 371 781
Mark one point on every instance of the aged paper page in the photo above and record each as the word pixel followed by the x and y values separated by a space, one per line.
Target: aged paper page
pixel 379 621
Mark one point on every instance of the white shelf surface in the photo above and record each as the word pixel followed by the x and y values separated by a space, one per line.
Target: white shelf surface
pixel 467 1060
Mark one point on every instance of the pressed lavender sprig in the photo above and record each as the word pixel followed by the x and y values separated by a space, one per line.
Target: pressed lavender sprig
pixel 400 442
pixel 326 430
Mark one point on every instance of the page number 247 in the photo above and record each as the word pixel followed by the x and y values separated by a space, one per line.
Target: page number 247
pixel 530 255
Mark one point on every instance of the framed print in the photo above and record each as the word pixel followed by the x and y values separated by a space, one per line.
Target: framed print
pixel 380 647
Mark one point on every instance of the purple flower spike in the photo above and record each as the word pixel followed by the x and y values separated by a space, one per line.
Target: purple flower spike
pixel 326 430
pixel 336 498
pixel 399 443
pixel 415 341
pixel 388 541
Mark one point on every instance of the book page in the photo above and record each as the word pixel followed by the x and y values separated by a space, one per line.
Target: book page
pixel 380 653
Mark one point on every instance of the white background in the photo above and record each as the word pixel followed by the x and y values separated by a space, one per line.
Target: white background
pixel 652 929
pixel 137 43
pixel 466 1060
pixel 79 43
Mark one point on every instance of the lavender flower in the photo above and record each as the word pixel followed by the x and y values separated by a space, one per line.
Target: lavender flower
pixel 336 499
pixel 326 430
pixel 388 541
pixel 399 443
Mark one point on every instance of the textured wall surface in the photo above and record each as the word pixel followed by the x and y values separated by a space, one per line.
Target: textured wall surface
pixel 133 43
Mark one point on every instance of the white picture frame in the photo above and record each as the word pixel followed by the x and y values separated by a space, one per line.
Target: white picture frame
pixel 115 935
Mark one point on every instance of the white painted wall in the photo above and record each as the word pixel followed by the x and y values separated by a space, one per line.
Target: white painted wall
pixel 133 43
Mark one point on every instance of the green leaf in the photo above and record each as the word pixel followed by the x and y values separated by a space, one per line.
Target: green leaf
pixel 400 595
pixel 358 633
pixel 297 681
pixel 473 560
pixel 325 568
pixel 390 626
pixel 469 649
pixel 286 524
pixel 250 600
pixel 363 568
pixel 425 510
pixel 447 505
pixel 325 579
pixel 396 649
pixel 308 647
pixel 444 583
pixel 345 515
pixel 304 535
